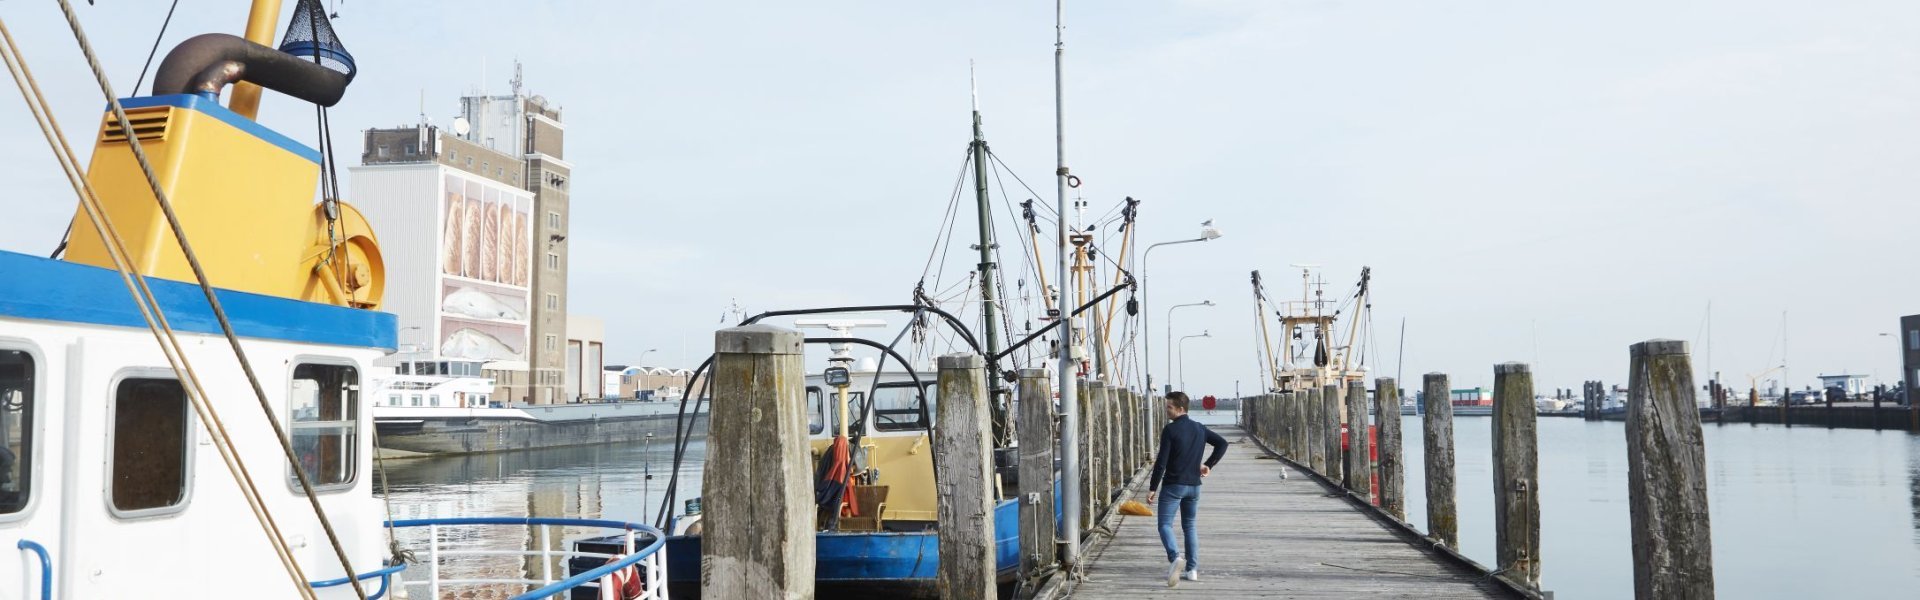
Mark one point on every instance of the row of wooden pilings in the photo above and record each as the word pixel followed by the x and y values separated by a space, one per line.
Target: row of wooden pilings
pixel 758 486
pixel 1667 492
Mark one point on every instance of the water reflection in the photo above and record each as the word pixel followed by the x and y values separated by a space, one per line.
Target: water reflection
pixel 1793 510
pixel 621 482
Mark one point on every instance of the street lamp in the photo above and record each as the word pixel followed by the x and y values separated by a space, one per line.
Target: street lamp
pixel 1183 355
pixel 1170 330
pixel 1207 232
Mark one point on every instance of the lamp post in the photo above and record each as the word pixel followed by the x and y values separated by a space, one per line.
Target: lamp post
pixel 1170 331
pixel 1207 232
pixel 1183 355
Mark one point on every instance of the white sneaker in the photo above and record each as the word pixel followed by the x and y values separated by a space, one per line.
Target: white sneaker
pixel 1173 571
pixel 1191 575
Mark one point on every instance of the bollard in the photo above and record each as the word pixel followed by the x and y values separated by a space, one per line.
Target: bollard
pixel 1330 421
pixel 1443 523
pixel 963 466
pixel 1088 499
pixel 1316 433
pixel 1516 476
pixel 1393 484
pixel 759 492
pixel 1666 476
pixel 1358 468
pixel 1037 526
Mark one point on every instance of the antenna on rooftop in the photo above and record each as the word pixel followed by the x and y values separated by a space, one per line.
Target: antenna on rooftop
pixel 517 80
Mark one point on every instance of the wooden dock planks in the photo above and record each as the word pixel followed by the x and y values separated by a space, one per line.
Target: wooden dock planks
pixel 1264 537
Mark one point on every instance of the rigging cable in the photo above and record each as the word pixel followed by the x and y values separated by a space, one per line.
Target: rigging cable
pixel 213 301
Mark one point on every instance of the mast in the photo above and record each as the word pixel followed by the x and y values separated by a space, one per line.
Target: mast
pixel 1067 370
pixel 262 20
pixel 1266 343
pixel 990 304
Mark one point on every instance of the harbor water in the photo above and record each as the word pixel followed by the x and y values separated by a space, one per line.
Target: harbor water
pixel 1793 509
pixel 623 482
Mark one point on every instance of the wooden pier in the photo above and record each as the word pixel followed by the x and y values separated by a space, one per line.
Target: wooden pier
pixel 1263 536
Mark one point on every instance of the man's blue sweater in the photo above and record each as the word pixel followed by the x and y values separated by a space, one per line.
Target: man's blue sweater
pixel 1181 443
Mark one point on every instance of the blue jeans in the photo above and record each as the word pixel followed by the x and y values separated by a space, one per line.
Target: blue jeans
pixel 1187 497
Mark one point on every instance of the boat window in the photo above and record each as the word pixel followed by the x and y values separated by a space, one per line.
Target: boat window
pixel 16 430
pixel 326 410
pixel 393 400
pixel 149 447
pixel 433 400
pixel 823 410
pixel 897 408
pixel 416 400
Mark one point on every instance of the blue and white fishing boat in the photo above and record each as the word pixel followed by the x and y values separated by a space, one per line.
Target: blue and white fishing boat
pixel 880 537
pixel 181 412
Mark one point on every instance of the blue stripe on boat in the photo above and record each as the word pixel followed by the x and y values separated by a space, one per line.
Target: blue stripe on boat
pixel 44 289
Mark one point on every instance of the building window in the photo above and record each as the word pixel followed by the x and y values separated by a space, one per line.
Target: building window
pixel 553 341
pixel 416 400
pixel 393 400
pixel 412 150
pixel 149 445
pixel 326 411
pixel 1913 339
pixel 553 261
pixel 553 220
pixel 16 430
pixel 433 400
pixel 469 162
pixel 553 302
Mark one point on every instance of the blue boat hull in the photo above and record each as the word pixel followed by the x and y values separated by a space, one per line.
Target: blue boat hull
pixel 860 564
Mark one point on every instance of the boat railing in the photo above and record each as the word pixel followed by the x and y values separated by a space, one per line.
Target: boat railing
pixel 650 559
pixel 46 566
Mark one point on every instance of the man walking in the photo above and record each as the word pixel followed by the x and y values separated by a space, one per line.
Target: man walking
pixel 1178 461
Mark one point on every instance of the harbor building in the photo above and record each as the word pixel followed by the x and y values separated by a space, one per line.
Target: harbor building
pixel 474 220
pixel 1851 385
pixel 586 352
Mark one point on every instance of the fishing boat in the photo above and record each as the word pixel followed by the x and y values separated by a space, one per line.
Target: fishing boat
pixel 870 430
pixel 181 407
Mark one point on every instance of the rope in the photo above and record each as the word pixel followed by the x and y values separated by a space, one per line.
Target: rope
pixel 213 301
pixel 147 304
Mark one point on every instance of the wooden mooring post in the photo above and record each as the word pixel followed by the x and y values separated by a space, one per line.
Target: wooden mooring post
pixel 1316 433
pixel 1393 483
pixel 1358 468
pixel 1331 421
pixel 1297 427
pixel 1442 519
pixel 759 488
pixel 963 466
pixel 1102 470
pixel 1087 496
pixel 1516 476
pixel 1037 438
pixel 1666 476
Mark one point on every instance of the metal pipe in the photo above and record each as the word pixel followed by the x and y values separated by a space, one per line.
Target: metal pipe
pixel 206 63
pixel 1069 392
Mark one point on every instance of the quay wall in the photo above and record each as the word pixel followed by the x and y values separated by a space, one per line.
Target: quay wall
pixel 1845 417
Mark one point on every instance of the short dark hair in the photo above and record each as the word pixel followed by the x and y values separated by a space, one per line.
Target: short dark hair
pixel 1177 399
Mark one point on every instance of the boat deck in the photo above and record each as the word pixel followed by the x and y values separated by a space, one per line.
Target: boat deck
pixel 1264 537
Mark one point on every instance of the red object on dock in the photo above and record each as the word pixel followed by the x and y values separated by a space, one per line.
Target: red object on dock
pixel 1207 402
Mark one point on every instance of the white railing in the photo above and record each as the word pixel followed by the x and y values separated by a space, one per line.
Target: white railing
pixel 648 563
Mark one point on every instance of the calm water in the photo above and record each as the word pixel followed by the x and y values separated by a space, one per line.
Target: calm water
pixel 1797 512
pixel 1794 510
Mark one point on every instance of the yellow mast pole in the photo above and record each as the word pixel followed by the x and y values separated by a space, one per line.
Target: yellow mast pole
pixel 1033 234
pixel 1125 241
pixel 262 22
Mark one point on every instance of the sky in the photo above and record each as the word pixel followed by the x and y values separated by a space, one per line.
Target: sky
pixel 1536 182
